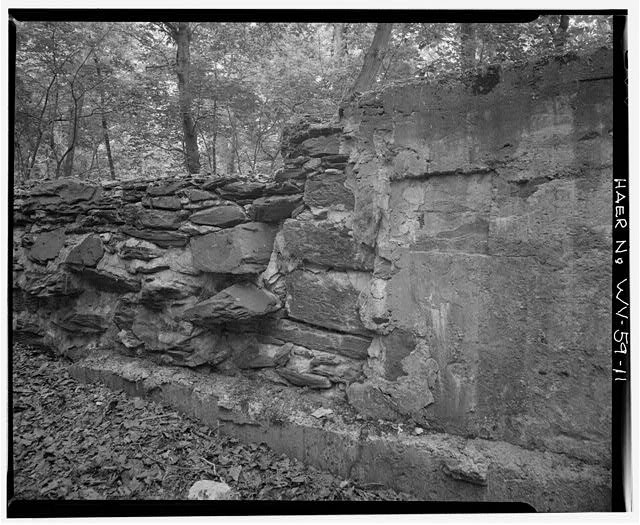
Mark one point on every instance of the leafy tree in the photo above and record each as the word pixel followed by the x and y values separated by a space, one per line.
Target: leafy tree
pixel 126 99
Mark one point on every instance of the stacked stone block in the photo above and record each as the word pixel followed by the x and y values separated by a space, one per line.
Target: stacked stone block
pixel 201 272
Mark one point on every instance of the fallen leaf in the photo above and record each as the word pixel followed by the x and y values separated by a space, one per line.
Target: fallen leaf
pixel 322 412
pixel 234 472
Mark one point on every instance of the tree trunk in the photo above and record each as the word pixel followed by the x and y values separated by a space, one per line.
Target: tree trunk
pixel 53 154
pixel 231 161
pixel 373 59
pixel 339 42
pixel 72 141
pixel 105 127
pixel 236 148
pixel 183 59
pixel 234 157
pixel 41 129
pixel 22 173
pixel 468 46
pixel 214 163
pixel 560 36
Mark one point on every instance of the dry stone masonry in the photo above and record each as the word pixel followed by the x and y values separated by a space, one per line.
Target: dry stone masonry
pixel 439 259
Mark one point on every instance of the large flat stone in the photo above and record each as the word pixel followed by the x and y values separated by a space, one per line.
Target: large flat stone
pixel 242 190
pixel 328 299
pixel 158 219
pixel 221 216
pixel 196 195
pixel 166 188
pixel 87 252
pixel 69 191
pixel 164 239
pixel 324 244
pixel 166 202
pixel 353 346
pixel 274 208
pixel 245 248
pixel 237 303
pixel 197 229
pixel 47 246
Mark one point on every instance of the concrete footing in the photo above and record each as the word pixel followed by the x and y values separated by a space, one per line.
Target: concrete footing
pixel 432 466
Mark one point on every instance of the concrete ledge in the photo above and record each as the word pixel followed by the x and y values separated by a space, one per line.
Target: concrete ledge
pixel 435 467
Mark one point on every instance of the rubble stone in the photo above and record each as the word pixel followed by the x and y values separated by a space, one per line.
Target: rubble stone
pixel 245 248
pixel 221 216
pixel 239 302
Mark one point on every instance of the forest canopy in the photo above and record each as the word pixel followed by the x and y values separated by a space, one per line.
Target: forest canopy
pixel 100 100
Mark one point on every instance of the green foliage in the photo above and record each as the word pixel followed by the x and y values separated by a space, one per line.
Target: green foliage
pixel 247 80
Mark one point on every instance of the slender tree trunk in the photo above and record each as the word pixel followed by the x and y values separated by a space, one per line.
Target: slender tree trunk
pixel 468 46
pixel 74 117
pixel 183 39
pixel 339 42
pixel 234 157
pixel 41 129
pixel 52 159
pixel 105 127
pixel 94 156
pixel 231 162
pixel 236 148
pixel 373 58
pixel 22 172
pixel 53 155
pixel 254 161
pixel 214 163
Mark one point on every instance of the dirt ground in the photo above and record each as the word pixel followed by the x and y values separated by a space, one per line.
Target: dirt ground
pixel 74 441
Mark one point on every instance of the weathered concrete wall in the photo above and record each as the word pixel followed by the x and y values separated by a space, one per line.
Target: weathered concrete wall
pixel 438 259
pixel 490 213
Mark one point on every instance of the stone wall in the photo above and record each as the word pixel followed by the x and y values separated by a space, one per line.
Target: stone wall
pixel 487 201
pixel 439 258
pixel 196 272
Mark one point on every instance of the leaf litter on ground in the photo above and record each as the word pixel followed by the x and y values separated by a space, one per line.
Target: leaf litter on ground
pixel 83 441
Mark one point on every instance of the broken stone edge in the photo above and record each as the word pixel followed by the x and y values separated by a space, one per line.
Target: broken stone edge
pixel 420 465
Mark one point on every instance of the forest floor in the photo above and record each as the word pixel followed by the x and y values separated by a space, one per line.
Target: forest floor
pixel 75 441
